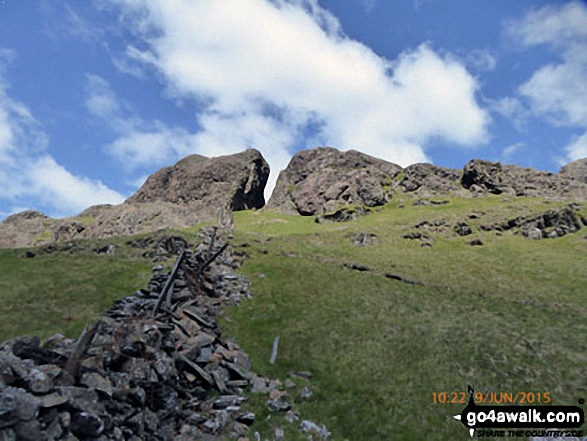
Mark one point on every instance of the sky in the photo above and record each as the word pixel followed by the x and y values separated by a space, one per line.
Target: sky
pixel 95 96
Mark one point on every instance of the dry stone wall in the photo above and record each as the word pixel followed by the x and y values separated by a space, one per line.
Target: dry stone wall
pixel 153 367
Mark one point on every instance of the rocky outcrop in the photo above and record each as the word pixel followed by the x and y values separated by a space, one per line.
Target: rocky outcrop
pixel 575 171
pixel 548 225
pixel 23 216
pixel 492 177
pixel 238 180
pixel 26 228
pixel 323 180
pixel 428 179
pixel 190 192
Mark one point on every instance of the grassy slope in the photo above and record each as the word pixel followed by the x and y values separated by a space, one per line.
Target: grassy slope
pixel 509 316
pixel 60 292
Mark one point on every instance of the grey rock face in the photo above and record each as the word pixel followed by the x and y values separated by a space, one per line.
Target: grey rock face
pixel 238 180
pixel 86 425
pixel 313 428
pixel 323 180
pixel 548 225
pixel 428 179
pixel 365 239
pixel 26 215
pixel 492 177
pixel 576 170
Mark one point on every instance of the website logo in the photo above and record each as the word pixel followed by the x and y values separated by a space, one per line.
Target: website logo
pixel 475 416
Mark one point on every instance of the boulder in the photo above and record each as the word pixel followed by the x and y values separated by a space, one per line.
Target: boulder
pixel 365 239
pixel 324 180
pixel 462 229
pixel 345 214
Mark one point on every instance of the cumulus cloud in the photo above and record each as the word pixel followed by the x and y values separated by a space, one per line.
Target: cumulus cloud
pixel 29 176
pixel 577 149
pixel 279 75
pixel 67 192
pixel 513 149
pixel 139 143
pixel 101 99
pixel 551 24
pixel 142 144
pixel 560 92
pixel 557 91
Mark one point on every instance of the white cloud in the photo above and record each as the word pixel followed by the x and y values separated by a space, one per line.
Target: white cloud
pixel 101 99
pixel 511 150
pixel 143 144
pixel 126 66
pixel 6 135
pixel 17 126
pixel 138 148
pixel 558 91
pixel 139 143
pixel 481 59
pixel 551 24
pixel 61 21
pixel 577 149
pixel 512 109
pixel 67 192
pixel 266 83
pixel 29 176
pixel 223 135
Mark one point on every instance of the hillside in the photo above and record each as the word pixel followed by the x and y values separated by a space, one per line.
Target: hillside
pixel 385 310
pixel 182 195
pixel 320 181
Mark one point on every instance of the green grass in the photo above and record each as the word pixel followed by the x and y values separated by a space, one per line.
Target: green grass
pixel 60 292
pixel 506 316
pixel 86 221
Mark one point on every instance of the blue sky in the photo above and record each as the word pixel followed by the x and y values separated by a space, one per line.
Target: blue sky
pixel 97 95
